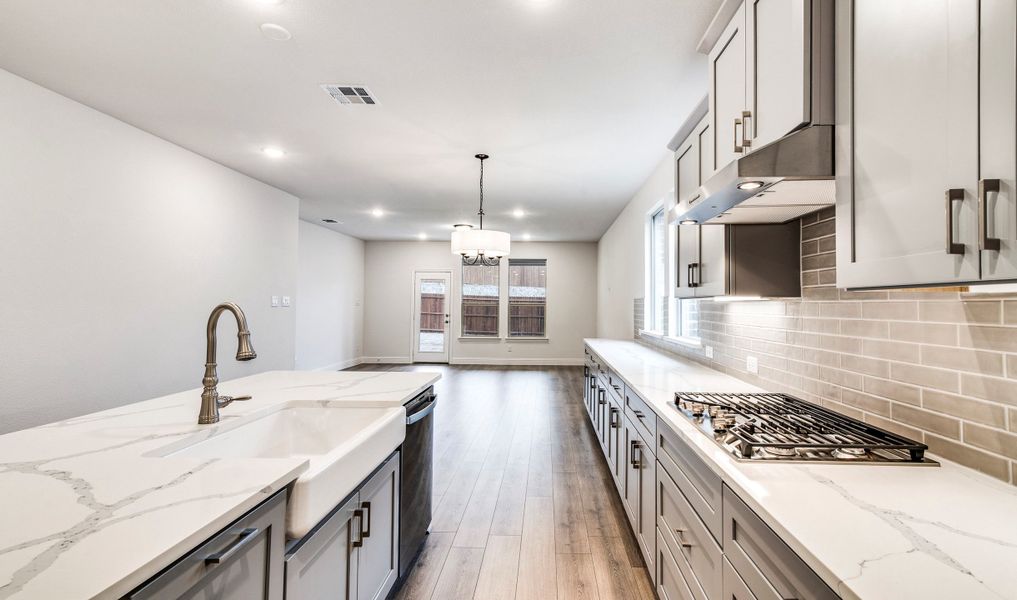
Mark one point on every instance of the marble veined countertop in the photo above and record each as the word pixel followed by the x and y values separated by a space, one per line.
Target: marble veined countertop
pixel 86 513
pixel 871 532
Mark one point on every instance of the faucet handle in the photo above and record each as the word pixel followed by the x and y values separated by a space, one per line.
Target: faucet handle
pixel 223 401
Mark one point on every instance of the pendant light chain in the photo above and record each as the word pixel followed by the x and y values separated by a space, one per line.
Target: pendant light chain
pixel 481 213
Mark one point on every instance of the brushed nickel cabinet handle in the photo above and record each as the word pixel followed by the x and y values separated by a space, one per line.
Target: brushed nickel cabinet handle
pixel 746 140
pixel 952 195
pixel 984 241
pixel 246 537
pixel 737 123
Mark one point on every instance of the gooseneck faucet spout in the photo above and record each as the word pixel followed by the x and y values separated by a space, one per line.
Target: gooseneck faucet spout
pixel 211 401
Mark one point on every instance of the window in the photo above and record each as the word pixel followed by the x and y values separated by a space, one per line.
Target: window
pixel 658 292
pixel 686 324
pixel 527 298
pixel 480 301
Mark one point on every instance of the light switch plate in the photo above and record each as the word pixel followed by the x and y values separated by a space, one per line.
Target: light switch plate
pixel 275 300
pixel 709 352
pixel 752 364
pixel 285 300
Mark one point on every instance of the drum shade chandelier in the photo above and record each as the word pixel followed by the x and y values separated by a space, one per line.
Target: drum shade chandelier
pixel 480 246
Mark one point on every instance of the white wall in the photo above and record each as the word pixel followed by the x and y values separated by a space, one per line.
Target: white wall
pixel 114 247
pixel 330 299
pixel 571 297
pixel 621 254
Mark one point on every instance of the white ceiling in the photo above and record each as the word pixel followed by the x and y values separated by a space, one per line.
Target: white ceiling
pixel 573 99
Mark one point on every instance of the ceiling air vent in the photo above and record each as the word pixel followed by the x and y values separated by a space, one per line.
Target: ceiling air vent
pixel 349 94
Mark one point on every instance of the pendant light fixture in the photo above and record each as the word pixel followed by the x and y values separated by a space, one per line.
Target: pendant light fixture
pixel 480 246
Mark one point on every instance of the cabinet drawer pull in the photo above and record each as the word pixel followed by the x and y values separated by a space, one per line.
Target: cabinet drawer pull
pixel 984 241
pixel 737 148
pixel 633 446
pixel 366 506
pixel 746 140
pixel 681 538
pixel 357 514
pixel 600 396
pixel 639 414
pixel 614 423
pixel 952 195
pixel 245 537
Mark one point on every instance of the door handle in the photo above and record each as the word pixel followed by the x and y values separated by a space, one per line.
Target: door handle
pixel 614 412
pixel 600 396
pixel 737 148
pixel 357 514
pixel 746 140
pixel 633 446
pixel 984 241
pixel 366 533
pixel 952 195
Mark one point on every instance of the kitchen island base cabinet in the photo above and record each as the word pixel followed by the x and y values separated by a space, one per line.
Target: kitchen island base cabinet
pixel 243 562
pixel 353 554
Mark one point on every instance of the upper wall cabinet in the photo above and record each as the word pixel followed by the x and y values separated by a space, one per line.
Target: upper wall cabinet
pixel 767 76
pixel 925 142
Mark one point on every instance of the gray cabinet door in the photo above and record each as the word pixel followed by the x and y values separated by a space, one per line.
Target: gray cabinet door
pixel 777 79
pixel 324 566
pixel 686 259
pixel 630 492
pixel 378 563
pixel 711 274
pixel 244 562
pixel 998 140
pixel 615 450
pixel 727 91
pixel 907 142
pixel 646 521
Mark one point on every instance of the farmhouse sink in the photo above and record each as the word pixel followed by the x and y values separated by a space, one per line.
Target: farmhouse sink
pixel 342 442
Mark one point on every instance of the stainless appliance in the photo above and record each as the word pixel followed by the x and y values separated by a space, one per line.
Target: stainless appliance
pixel 780 428
pixel 416 477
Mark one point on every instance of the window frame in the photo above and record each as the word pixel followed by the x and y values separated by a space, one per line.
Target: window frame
pixel 542 262
pixel 650 302
pixel 462 304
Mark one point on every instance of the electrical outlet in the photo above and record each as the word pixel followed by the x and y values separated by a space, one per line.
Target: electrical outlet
pixel 752 364
pixel 285 300
pixel 275 300
pixel 709 352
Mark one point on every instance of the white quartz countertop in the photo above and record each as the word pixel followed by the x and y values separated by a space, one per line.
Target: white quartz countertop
pixel 86 513
pixel 870 531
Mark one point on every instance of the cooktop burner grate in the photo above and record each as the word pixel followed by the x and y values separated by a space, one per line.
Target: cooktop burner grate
pixel 779 426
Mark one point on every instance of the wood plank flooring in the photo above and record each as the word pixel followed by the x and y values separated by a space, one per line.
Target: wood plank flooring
pixel 524 506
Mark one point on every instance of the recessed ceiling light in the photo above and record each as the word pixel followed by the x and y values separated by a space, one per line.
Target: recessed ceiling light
pixel 687 222
pixel 270 1
pixel 273 152
pixel 750 185
pixel 421 236
pixel 378 212
pixel 518 213
pixel 275 32
pixel 526 236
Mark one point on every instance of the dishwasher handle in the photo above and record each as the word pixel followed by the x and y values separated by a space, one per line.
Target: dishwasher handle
pixel 421 410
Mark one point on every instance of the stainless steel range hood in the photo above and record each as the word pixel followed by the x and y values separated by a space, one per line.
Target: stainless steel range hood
pixel 784 180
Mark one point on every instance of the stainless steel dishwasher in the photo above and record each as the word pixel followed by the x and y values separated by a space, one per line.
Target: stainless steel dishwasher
pixel 416 477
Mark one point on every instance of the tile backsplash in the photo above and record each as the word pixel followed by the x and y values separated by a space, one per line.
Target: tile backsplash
pixel 935 365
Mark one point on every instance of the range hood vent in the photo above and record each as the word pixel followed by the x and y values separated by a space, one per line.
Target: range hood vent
pixel 784 180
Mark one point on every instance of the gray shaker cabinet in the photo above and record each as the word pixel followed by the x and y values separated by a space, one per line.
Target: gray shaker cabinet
pixel 998 140
pixel 907 142
pixel 354 553
pixel 243 562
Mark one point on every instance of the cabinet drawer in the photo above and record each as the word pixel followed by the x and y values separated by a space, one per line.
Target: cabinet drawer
pixel 670 583
pixel 700 485
pixel 762 559
pixel 698 555
pixel 244 561
pixel 642 416
pixel 735 588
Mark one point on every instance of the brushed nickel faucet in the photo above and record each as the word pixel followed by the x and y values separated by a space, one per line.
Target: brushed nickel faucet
pixel 211 401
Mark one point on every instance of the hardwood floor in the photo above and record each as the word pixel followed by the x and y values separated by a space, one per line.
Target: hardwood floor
pixel 524 506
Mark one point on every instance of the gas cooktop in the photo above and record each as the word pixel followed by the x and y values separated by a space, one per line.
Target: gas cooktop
pixel 782 428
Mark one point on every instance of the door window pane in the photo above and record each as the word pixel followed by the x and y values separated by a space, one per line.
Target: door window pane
pixel 432 316
pixel 527 297
pixel 480 300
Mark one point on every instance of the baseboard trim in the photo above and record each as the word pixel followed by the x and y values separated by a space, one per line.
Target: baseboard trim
pixel 388 360
pixel 523 362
